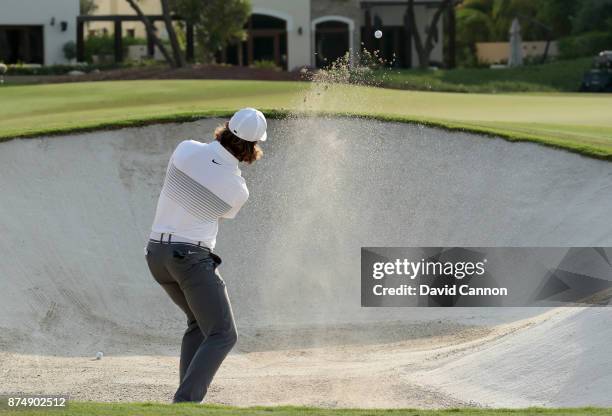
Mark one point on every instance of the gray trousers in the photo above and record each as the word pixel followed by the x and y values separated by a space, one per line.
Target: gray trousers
pixel 188 273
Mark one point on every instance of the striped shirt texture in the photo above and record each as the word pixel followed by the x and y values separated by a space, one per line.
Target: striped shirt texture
pixel 202 184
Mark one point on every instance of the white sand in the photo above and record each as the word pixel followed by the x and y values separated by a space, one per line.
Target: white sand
pixel 75 214
pixel 555 359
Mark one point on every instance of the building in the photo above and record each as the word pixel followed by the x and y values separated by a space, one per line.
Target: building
pixel 300 33
pixel 499 52
pixel 35 31
pixel 129 28
pixel 291 34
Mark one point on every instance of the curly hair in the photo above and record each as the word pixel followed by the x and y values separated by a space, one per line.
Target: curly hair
pixel 243 150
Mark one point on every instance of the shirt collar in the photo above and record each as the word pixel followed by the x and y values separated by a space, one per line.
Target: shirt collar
pixel 224 154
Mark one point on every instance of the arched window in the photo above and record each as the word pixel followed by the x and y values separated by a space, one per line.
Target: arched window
pixel 266 41
pixel 333 39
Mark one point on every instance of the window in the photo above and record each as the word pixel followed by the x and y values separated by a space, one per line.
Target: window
pixel 21 44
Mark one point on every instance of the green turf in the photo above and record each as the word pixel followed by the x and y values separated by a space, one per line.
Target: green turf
pixel 150 409
pixel 577 122
pixel 563 75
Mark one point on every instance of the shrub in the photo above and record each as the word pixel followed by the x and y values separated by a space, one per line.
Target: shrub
pixel 562 75
pixel 586 44
pixel 69 50
pixel 105 45
pixel 265 65
pixel 26 69
pixel 98 45
pixel 21 69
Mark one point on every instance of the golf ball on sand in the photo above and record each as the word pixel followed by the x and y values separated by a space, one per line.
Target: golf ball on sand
pixel 378 34
pixel 99 355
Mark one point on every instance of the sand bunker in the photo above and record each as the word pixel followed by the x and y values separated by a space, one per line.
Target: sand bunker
pixel 75 216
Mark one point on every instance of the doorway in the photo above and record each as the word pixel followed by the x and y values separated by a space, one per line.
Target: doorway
pixel 332 42
pixel 21 44
pixel 267 40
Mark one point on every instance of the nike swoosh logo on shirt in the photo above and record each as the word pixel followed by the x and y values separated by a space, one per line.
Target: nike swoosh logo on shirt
pixel 216 162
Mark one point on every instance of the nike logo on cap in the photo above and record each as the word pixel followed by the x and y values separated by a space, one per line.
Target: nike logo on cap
pixel 214 161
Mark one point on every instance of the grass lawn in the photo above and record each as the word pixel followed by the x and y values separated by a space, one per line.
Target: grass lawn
pixel 560 76
pixel 577 122
pixel 150 409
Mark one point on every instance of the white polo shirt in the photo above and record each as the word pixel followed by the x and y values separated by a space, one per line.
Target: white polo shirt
pixel 202 184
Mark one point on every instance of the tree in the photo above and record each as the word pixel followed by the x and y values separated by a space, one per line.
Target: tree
pixel 593 15
pixel 490 20
pixel 218 23
pixel 151 33
pixel 558 15
pixel 473 25
pixel 179 60
pixel 87 7
pixel 424 48
pixel 504 12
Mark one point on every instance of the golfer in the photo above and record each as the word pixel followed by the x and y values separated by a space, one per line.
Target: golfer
pixel 203 183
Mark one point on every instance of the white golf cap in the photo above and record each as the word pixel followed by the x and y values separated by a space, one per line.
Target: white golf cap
pixel 249 124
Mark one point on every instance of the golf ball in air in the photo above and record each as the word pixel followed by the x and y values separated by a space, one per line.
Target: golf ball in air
pixel 378 34
pixel 99 355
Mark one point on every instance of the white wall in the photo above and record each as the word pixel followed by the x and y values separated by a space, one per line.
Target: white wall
pixel 297 15
pixel 40 12
pixel 394 16
pixel 499 52
pixel 424 16
pixel 112 7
